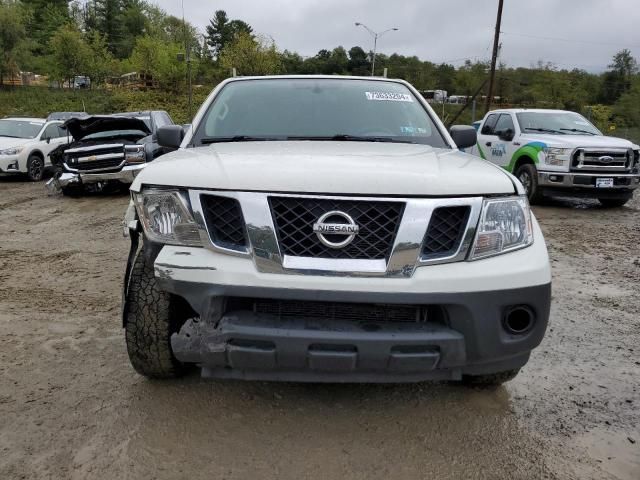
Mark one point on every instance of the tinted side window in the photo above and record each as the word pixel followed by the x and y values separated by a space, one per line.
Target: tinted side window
pixel 489 125
pixel 505 122
pixel 50 132
pixel 62 132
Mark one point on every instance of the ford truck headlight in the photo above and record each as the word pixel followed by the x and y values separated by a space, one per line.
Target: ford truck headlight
pixel 166 217
pixel 556 156
pixel 505 225
pixel 12 151
pixel 134 154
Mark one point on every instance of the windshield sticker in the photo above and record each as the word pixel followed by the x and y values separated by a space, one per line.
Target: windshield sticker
pixel 412 130
pixel 389 97
pixel 580 122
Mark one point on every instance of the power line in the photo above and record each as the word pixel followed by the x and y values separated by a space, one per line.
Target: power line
pixel 571 40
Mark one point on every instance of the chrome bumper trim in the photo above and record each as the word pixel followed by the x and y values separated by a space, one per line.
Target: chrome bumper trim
pixel 126 175
pixel 568 180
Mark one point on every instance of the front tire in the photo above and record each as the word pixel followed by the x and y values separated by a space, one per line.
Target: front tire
pixel 35 167
pixel 528 176
pixel 149 324
pixel 491 380
pixel 613 202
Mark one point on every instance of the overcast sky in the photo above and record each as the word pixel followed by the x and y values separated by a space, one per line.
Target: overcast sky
pixel 570 33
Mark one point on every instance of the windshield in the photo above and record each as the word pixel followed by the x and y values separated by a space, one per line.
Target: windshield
pixel 557 123
pixel 317 109
pixel 19 128
pixel 116 133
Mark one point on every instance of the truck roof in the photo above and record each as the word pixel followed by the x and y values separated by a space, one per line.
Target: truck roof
pixel 534 110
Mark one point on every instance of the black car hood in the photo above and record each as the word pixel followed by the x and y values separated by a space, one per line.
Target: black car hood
pixel 81 127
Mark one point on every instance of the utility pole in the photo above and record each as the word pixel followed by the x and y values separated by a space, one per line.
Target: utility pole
pixel 494 57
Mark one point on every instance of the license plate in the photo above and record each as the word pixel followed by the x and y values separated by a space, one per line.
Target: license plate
pixel 604 182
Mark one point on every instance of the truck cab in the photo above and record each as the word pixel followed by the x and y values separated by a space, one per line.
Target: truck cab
pixel 559 153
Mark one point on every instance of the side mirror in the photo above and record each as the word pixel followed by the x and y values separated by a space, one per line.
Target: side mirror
pixel 506 135
pixel 464 136
pixel 170 136
pixel 48 139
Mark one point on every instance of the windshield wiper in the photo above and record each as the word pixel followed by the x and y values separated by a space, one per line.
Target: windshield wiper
pixel 236 138
pixel 545 130
pixel 341 137
pixel 577 130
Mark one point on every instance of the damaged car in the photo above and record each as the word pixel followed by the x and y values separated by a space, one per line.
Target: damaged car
pixel 343 238
pixel 106 151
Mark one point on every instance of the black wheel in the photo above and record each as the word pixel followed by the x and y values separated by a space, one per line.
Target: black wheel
pixel 35 167
pixel 492 380
pixel 149 324
pixel 613 202
pixel 528 176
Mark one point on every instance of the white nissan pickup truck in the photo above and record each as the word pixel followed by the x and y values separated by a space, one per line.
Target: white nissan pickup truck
pixel 325 228
pixel 556 152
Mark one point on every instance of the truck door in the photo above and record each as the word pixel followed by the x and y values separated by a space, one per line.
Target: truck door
pixel 486 137
pixel 497 139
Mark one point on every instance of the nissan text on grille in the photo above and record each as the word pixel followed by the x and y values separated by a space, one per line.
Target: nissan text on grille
pixel 330 229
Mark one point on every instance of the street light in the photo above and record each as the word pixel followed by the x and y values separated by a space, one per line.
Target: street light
pixel 375 36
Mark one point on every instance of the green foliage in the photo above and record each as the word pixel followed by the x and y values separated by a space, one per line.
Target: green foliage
pixel 12 38
pixel 105 38
pixel 70 54
pixel 251 56
pixel 159 58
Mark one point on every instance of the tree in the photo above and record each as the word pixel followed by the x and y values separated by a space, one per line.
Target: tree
pixel 100 63
pixel 12 38
pixel 70 54
pixel 358 61
pixel 45 17
pixel 251 56
pixel 221 31
pixel 158 57
pixel 107 17
pixel 617 80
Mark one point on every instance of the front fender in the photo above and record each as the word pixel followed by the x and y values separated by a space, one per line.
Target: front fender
pixel 133 230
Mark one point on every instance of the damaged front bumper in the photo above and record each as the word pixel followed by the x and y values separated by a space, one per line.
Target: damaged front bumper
pixel 67 179
pixel 466 335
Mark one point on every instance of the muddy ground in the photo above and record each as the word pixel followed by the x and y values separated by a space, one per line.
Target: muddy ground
pixel 72 407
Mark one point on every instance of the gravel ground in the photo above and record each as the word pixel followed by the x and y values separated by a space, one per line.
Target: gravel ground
pixel 72 407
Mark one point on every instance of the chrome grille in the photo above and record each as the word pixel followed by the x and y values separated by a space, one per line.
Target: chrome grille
pixel 95 159
pixel 445 232
pixel 600 159
pixel 225 222
pixel 294 218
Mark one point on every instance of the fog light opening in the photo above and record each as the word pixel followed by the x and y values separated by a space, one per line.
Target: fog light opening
pixel 519 320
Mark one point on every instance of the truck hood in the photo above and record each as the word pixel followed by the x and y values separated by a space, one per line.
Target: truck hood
pixel 81 127
pixel 328 167
pixel 10 142
pixel 575 141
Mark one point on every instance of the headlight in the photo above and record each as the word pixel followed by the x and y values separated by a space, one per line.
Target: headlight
pixel 134 154
pixel 556 156
pixel 11 151
pixel 505 225
pixel 166 217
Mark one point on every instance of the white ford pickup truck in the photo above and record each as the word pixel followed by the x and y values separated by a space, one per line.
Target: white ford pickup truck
pixel 556 152
pixel 329 229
